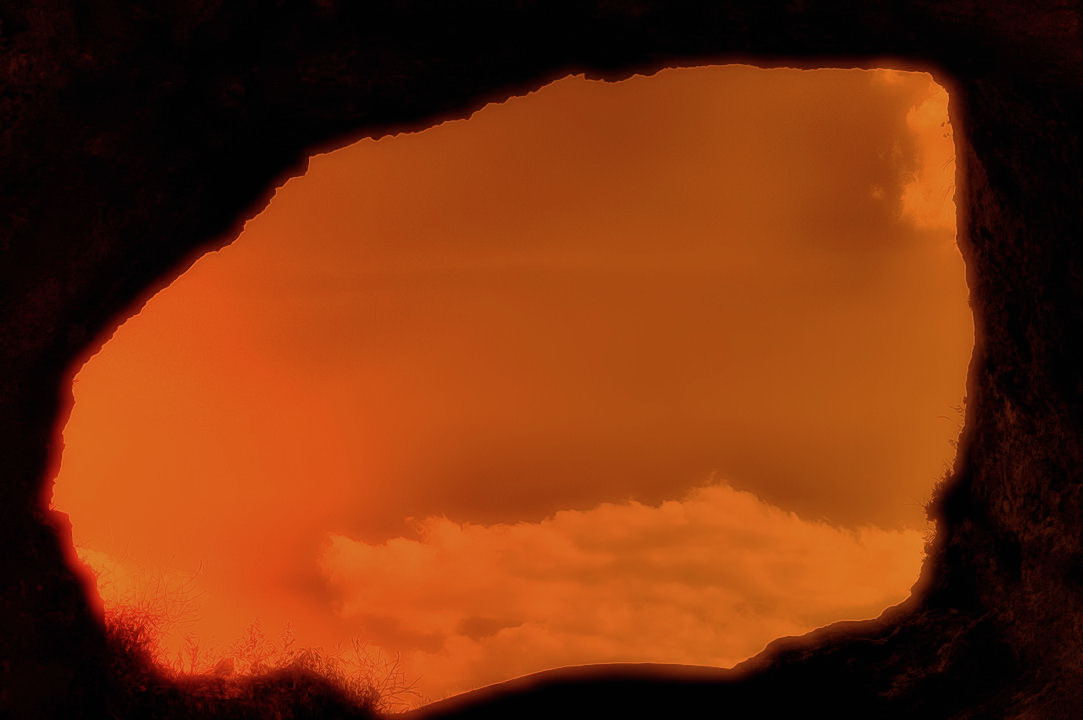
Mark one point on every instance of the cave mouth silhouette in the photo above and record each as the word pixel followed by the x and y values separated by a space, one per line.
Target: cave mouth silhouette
pixel 174 429
pixel 140 138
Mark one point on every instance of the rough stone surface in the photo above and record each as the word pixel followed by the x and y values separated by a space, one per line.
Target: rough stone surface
pixel 136 136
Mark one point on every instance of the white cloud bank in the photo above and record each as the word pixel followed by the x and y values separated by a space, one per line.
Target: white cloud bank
pixel 710 578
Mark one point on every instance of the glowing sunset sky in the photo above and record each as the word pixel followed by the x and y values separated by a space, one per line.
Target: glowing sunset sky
pixel 654 370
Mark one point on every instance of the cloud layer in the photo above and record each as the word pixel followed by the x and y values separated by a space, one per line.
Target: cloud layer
pixel 709 578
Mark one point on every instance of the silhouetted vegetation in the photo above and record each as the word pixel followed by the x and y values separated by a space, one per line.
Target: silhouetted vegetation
pixel 258 678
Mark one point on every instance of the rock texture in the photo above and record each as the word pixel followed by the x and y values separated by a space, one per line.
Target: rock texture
pixel 136 136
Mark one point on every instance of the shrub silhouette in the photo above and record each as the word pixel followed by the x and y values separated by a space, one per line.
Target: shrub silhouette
pixel 257 679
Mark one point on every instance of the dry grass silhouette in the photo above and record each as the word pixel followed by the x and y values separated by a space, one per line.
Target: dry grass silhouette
pixel 256 677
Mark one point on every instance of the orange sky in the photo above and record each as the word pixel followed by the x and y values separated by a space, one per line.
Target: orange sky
pixel 653 370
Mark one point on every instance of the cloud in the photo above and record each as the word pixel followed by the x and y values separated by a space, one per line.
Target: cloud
pixel 927 198
pixel 709 578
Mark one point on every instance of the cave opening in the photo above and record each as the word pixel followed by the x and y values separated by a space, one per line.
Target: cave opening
pixel 625 371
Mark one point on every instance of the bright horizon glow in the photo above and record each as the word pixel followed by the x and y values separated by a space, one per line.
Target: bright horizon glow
pixel 657 370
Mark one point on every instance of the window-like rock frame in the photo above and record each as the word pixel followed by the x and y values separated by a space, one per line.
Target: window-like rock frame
pixel 134 139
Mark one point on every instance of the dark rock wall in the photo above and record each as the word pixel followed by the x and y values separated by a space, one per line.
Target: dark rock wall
pixel 136 136
pixel 1012 522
